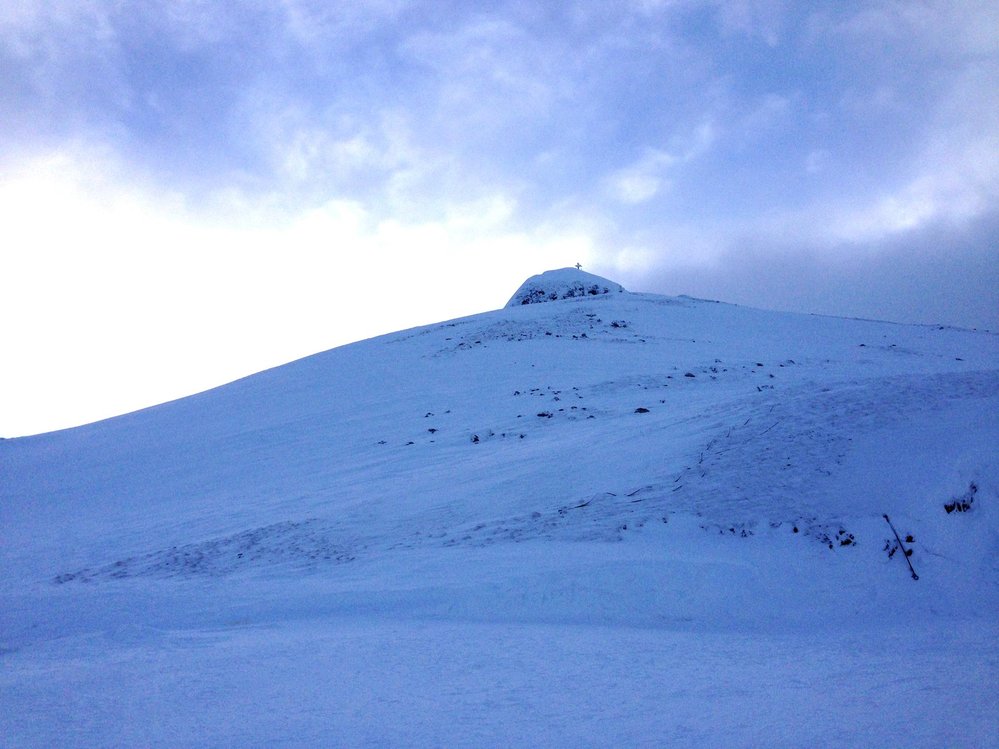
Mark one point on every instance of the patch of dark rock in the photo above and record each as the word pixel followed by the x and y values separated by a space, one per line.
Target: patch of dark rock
pixel 964 502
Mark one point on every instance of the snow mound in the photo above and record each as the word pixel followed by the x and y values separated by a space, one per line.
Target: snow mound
pixel 564 283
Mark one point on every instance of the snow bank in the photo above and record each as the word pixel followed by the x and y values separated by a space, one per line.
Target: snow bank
pixel 564 283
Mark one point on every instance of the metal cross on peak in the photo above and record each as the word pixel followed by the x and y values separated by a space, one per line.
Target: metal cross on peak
pixel 578 266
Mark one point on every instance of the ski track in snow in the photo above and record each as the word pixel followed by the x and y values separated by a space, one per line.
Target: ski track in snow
pixel 771 463
pixel 290 543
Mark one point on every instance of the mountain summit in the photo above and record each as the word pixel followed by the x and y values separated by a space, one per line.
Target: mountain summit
pixel 564 283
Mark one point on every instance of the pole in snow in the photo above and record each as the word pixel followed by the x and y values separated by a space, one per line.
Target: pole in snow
pixel 905 552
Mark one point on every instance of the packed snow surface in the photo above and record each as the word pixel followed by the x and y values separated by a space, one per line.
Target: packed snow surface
pixel 614 519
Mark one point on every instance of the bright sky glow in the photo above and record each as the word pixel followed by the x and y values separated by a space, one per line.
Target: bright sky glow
pixel 194 191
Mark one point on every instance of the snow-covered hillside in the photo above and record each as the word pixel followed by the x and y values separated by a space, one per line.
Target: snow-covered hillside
pixel 611 519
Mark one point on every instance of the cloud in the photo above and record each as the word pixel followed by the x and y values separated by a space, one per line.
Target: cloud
pixel 930 26
pixel 315 24
pixel 771 110
pixel 762 18
pixel 950 175
pixel 642 180
pixel 647 177
pixel 487 85
pixel 816 161
pixel 318 155
pixel 59 60
pixel 940 275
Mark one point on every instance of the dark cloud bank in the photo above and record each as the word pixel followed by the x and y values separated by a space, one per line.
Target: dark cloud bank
pixel 941 275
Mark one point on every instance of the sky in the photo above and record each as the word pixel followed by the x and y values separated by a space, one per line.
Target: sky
pixel 193 191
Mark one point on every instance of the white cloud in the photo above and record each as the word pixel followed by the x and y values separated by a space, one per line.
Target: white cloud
pixel 816 161
pixel 311 150
pixel 61 46
pixel 955 192
pixel 763 18
pixel 489 74
pixel 642 180
pixel 306 150
pixel 632 260
pixel 648 177
pixel 771 111
pixel 317 23
pixel 34 17
pixel 945 27
pixel 953 177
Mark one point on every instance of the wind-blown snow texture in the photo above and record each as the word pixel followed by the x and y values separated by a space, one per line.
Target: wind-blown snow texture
pixel 612 519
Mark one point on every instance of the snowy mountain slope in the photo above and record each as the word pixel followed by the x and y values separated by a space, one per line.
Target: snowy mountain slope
pixel 617 460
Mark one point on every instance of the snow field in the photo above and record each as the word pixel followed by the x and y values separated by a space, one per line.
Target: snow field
pixel 384 682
